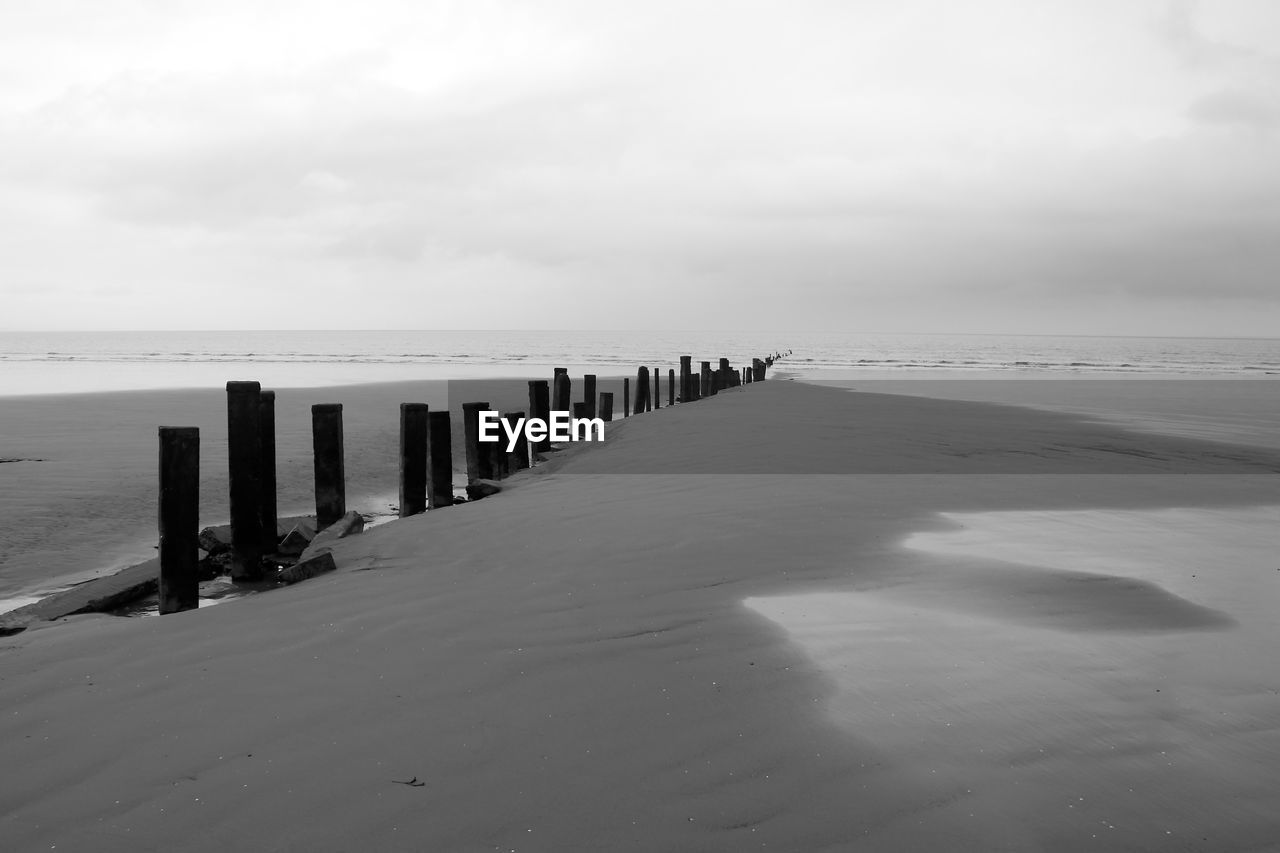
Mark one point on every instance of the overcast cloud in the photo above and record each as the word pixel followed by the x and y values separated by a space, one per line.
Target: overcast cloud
pixel 919 165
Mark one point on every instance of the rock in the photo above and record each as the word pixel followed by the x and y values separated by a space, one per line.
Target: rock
pixel 309 568
pixel 349 525
pixel 295 541
pixel 478 489
pixel 215 540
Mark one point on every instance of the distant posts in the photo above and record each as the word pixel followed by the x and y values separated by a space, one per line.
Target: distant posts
pixel 671 387
pixel 479 462
pixel 244 464
pixel 330 470
pixel 589 393
pixel 540 407
pixel 267 481
pixel 179 518
pixel 413 458
pixel 606 406
pixel 704 389
pixel 439 460
pixel 626 398
pixel 561 391
pixel 686 378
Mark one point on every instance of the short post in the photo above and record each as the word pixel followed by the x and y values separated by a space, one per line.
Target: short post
pixel 626 398
pixel 686 378
pixel 657 388
pixel 540 408
pixel 179 518
pixel 519 458
pixel 479 462
pixel 267 483
pixel 413 458
pixel 725 369
pixel 671 387
pixel 606 406
pixel 439 460
pixel 704 383
pixel 562 391
pixel 331 479
pixel 589 393
pixel 244 463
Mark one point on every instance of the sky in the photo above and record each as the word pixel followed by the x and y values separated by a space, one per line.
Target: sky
pixel 1018 166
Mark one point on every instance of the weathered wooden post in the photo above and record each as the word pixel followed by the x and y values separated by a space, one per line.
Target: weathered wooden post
pixel 479 462
pixel 179 518
pixel 606 406
pixel 244 465
pixel 520 456
pixel 657 388
pixel 579 411
pixel 540 408
pixel 704 383
pixel 439 460
pixel 413 458
pixel 671 387
pixel 642 390
pixel 686 378
pixel 589 393
pixel 562 391
pixel 725 370
pixel 715 382
pixel 267 481
pixel 626 398
pixel 499 462
pixel 330 470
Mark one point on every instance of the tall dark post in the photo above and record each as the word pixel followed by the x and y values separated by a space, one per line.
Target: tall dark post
pixel 413 458
pixel 179 518
pixel 267 482
pixel 686 378
pixel 704 389
pixel 244 463
pixel 331 475
pixel 479 462
pixel 520 456
pixel 626 398
pixel 657 388
pixel 606 406
pixel 589 393
pixel 540 408
pixel 439 460
pixel 561 393
pixel 642 390
pixel 671 387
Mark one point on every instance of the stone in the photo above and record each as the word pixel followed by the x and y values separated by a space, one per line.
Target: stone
pixel 306 569
pixel 348 525
pixel 478 489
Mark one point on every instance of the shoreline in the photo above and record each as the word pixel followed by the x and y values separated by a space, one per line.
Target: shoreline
pixel 570 661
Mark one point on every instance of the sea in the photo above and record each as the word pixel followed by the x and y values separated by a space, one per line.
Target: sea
pixel 78 410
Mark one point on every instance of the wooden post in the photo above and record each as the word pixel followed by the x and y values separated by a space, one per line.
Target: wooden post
pixel 244 465
pixel 331 477
pixel 540 408
pixel 725 369
pixel 606 406
pixel 267 482
pixel 626 398
pixel 479 462
pixel 499 462
pixel 671 387
pixel 179 518
pixel 589 393
pixel 580 411
pixel 642 390
pixel 704 381
pixel 686 378
pixel 520 456
pixel 413 458
pixel 439 460
pixel 562 391
pixel 657 388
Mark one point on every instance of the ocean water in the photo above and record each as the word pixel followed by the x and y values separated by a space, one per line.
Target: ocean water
pixel 67 362
pixel 80 499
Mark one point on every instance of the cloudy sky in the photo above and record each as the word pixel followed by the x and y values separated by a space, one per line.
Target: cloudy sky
pixel 1049 166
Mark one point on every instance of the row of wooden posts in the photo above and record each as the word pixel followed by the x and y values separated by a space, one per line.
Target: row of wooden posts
pixel 426 460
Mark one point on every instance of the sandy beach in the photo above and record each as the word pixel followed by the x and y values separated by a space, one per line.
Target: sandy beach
pixel 788 617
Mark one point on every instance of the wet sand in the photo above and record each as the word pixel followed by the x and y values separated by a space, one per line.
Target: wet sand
pixel 588 661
